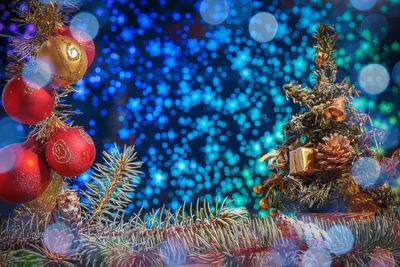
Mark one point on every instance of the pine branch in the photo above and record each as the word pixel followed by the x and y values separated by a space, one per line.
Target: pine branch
pixel 112 185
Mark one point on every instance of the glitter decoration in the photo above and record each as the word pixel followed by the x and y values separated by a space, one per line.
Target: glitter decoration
pixel 61 151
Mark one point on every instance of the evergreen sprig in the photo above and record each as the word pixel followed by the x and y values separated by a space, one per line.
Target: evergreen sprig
pixel 112 184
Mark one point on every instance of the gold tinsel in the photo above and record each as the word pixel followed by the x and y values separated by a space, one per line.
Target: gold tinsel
pixel 46 202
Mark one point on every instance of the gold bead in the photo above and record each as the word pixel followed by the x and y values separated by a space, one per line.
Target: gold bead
pixel 258 189
pixel 264 203
pixel 66 57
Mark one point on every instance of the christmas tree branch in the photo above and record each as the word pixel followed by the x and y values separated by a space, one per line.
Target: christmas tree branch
pixel 112 185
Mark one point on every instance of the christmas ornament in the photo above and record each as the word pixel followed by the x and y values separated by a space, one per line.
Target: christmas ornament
pixel 82 37
pixel 70 151
pixel 335 153
pixel 264 203
pixel 27 102
pixel 336 111
pixel 24 175
pixel 362 202
pixel 68 59
pixel 302 161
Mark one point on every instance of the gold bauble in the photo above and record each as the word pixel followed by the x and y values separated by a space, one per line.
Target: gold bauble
pixel 264 203
pixel 66 57
pixel 258 189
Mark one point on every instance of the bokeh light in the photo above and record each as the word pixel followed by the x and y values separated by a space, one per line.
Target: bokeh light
pixel 37 71
pixel 58 238
pixel 10 132
pixel 363 4
pixel 382 257
pixel 316 257
pixel 392 132
pixel 396 73
pixel 214 11
pixel 87 22
pixel 263 27
pixel 240 10
pixel 173 251
pixel 10 157
pixel 366 171
pixel 341 239
pixel 376 24
pixel 374 78
pixel 283 251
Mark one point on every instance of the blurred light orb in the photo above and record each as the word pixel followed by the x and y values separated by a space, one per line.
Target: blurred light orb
pixel 283 251
pixel 396 73
pixel 382 257
pixel 37 70
pixel 214 11
pixel 363 4
pixel 341 239
pixel 263 27
pixel 317 257
pixel 9 157
pixel 366 171
pixel 58 238
pixel 173 251
pixel 376 24
pixel 392 132
pixel 87 22
pixel 11 131
pixel 374 78
pixel 240 10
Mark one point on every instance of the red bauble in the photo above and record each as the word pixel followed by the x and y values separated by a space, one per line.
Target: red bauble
pixel 24 175
pixel 83 38
pixel 70 151
pixel 27 102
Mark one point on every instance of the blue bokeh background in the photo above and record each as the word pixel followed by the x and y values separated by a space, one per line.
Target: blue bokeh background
pixel 202 102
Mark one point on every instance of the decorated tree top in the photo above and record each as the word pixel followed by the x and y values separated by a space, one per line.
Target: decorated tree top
pixel 328 147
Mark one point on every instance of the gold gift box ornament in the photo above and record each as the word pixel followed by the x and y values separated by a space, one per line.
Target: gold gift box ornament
pixel 303 161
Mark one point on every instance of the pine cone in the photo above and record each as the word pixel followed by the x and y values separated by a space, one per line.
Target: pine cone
pixel 335 152
pixel 68 209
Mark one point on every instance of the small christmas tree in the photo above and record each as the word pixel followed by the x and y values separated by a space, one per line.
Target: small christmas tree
pixel 328 163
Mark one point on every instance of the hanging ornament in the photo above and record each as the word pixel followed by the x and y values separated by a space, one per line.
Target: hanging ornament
pixel 82 37
pixel 70 151
pixel 24 175
pixel 27 102
pixel 67 58
pixel 336 111
pixel 302 161
pixel 335 153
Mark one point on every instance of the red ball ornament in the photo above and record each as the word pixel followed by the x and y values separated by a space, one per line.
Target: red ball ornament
pixel 27 102
pixel 82 37
pixel 70 151
pixel 24 175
